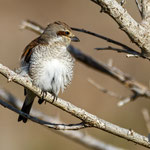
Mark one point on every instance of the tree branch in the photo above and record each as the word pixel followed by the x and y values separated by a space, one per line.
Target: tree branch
pixel 139 7
pixel 76 136
pixel 32 26
pixel 146 118
pixel 101 37
pixel 126 100
pixel 87 118
pixel 104 90
pixel 122 101
pixel 146 11
pixel 136 32
pixel 122 3
pixel 134 53
pixel 45 123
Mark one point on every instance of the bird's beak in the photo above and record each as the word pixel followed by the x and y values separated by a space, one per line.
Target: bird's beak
pixel 75 39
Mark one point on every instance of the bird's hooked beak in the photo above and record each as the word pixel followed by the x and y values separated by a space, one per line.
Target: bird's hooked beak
pixel 75 39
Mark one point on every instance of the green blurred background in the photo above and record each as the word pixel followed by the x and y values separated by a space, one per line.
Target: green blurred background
pixel 81 14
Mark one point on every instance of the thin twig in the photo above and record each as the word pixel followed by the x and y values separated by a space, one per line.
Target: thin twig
pixel 123 100
pixel 139 6
pixel 122 3
pixel 146 118
pixel 104 38
pixel 127 51
pixel 104 90
pixel 88 119
pixel 32 26
pixel 45 123
pixel 131 56
pixel 128 99
pixel 145 11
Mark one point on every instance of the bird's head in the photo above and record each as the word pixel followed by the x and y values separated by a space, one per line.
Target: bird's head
pixel 59 31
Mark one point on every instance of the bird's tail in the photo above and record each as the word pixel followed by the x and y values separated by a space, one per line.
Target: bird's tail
pixel 27 105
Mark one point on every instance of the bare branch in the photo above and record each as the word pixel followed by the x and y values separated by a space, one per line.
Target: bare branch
pixel 130 55
pixel 103 38
pixel 122 3
pixel 146 11
pixel 123 100
pixel 139 6
pixel 102 89
pixel 87 118
pixel 136 32
pixel 32 26
pixel 114 72
pixel 131 52
pixel 78 136
pixel 128 99
pixel 45 123
pixel 146 118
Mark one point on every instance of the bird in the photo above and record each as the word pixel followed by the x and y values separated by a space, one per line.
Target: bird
pixel 48 63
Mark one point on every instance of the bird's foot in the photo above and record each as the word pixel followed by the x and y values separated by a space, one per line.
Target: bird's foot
pixel 43 94
pixel 54 96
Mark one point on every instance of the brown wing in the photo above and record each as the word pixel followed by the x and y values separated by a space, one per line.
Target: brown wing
pixel 29 49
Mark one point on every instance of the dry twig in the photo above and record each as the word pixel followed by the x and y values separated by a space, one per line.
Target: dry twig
pixel 129 52
pixel 138 3
pixel 128 99
pixel 122 3
pixel 45 123
pixel 104 90
pixel 145 4
pixel 146 118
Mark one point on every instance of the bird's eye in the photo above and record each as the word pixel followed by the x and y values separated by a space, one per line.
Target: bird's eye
pixel 63 33
pixel 67 33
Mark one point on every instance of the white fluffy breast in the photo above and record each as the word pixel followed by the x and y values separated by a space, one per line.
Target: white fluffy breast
pixel 53 75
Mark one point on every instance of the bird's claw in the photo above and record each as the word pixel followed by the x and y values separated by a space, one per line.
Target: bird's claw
pixel 54 97
pixel 43 94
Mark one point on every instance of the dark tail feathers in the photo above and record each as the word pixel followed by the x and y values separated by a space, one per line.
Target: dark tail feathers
pixel 27 105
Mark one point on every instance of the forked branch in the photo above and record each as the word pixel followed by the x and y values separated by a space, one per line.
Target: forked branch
pixel 138 33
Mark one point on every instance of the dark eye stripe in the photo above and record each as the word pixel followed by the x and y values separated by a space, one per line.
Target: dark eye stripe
pixel 65 33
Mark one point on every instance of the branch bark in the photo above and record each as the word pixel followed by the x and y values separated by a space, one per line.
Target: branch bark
pixel 135 31
pixel 87 118
pixel 45 123
pixel 146 11
pixel 76 136
pixel 138 3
